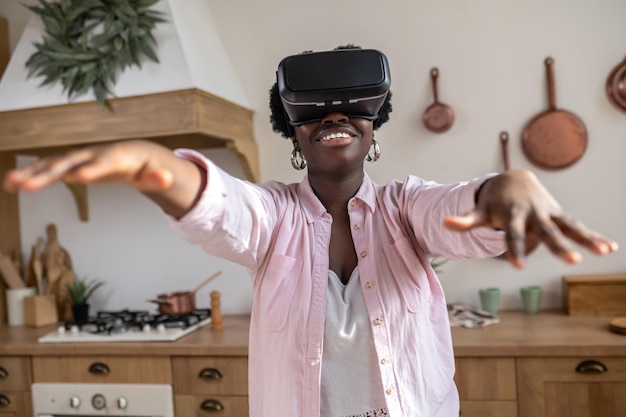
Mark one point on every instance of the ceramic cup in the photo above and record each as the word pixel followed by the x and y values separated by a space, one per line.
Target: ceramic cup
pixel 15 304
pixel 489 299
pixel 531 299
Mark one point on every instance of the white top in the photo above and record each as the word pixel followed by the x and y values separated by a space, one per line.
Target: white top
pixel 351 382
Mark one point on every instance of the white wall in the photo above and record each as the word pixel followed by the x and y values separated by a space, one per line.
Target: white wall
pixel 490 55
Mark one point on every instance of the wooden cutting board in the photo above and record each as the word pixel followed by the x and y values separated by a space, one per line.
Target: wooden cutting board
pixel 10 275
pixel 618 325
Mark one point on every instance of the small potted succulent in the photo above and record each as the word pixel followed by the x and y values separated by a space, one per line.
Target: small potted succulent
pixel 78 294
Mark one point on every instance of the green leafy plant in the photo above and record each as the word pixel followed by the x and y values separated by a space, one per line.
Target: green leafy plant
pixel 79 291
pixel 437 262
pixel 88 43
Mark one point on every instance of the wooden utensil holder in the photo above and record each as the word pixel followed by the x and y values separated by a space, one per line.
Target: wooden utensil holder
pixel 40 310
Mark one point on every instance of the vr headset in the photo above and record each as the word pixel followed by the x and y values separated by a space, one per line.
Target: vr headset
pixel 353 81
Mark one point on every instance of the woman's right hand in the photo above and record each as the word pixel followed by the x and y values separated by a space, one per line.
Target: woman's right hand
pixel 143 165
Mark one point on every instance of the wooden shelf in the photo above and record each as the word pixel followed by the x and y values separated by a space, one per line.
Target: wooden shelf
pixel 189 118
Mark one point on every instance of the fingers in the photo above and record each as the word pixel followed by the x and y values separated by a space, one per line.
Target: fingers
pixel 43 172
pixel 552 236
pixel 584 236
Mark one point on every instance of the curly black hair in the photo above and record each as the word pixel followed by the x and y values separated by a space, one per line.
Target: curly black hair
pixel 280 121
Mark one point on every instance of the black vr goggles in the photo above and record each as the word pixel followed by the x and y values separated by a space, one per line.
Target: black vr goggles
pixel 353 81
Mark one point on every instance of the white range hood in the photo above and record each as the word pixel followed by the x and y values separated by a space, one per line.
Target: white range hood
pixel 192 97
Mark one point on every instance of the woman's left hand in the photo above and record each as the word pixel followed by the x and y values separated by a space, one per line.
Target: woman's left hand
pixel 517 203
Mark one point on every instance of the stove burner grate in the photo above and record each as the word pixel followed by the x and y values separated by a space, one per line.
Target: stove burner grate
pixel 122 321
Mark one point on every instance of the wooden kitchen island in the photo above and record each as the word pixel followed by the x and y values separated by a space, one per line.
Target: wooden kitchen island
pixel 525 366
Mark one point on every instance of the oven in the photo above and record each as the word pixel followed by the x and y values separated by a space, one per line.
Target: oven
pixel 129 400
pixel 139 398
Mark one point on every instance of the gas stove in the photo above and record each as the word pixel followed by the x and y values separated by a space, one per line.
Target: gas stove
pixel 129 326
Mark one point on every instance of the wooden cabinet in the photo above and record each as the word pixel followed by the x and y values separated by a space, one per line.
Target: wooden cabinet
pixel 578 386
pixel 487 387
pixel 15 386
pixel 103 369
pixel 526 366
pixel 211 385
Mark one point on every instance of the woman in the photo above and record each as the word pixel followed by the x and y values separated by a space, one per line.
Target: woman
pixel 348 317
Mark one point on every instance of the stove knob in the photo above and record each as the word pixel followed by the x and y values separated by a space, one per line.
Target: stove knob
pixel 61 330
pixel 75 330
pixel 98 401
pixel 146 328
pixel 122 403
pixel 161 328
pixel 74 402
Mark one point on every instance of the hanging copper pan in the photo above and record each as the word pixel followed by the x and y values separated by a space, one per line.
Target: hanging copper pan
pixel 531 244
pixel 616 86
pixel 438 117
pixel 555 138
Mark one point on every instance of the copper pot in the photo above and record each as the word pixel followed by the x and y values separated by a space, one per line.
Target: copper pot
pixel 176 303
pixel 180 302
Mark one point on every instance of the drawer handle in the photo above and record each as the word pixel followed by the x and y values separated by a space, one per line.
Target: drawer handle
pixel 591 367
pixel 3 373
pixel 4 400
pixel 99 368
pixel 210 373
pixel 211 405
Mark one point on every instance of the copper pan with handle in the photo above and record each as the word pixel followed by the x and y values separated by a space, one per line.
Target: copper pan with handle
pixel 555 138
pixel 180 302
pixel 531 244
pixel 438 117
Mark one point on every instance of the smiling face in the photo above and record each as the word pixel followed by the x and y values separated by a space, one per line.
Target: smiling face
pixel 336 144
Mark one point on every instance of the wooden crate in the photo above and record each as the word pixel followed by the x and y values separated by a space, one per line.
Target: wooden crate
pixel 594 295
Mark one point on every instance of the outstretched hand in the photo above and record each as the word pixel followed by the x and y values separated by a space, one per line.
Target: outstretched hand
pixel 517 203
pixel 127 162
pixel 146 166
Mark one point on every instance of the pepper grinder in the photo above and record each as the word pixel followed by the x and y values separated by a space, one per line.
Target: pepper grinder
pixel 216 312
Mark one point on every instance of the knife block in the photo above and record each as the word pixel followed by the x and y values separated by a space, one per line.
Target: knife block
pixel 40 310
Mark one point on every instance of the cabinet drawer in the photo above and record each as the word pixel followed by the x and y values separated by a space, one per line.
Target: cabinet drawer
pixel 9 402
pixel 214 375
pixel 562 387
pixel 218 406
pixel 488 409
pixel 486 378
pixel 102 369
pixel 14 373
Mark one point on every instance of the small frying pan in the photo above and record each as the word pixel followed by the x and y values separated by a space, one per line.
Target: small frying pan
pixel 531 245
pixel 555 138
pixel 438 117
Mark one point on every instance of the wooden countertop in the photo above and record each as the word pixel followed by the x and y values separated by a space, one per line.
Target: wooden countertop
pixel 549 333
pixel 233 341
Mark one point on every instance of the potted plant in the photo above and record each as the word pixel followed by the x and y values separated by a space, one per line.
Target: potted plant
pixel 437 262
pixel 78 294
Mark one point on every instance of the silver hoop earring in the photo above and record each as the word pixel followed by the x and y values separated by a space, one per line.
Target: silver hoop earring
pixel 298 161
pixel 374 158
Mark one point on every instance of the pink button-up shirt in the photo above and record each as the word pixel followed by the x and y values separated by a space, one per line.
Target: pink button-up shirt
pixel 281 234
